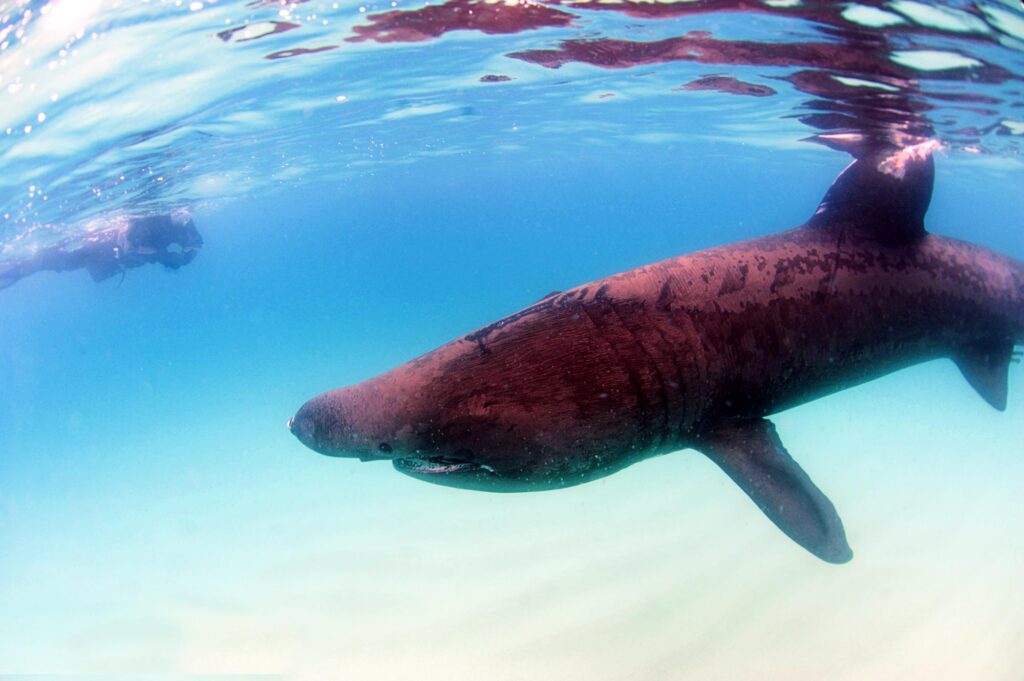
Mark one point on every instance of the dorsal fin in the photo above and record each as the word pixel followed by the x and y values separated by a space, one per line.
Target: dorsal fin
pixel 882 197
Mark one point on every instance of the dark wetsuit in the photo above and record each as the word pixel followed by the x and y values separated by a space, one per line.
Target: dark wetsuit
pixel 171 240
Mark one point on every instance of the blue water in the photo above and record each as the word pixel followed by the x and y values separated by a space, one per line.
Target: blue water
pixel 157 517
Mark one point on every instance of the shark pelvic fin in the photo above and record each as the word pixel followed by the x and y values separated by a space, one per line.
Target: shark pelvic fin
pixel 987 369
pixel 750 452
pixel 881 197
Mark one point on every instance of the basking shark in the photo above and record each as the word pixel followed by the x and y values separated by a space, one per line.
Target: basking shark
pixel 696 352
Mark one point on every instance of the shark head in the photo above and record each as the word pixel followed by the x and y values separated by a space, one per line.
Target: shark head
pixel 463 429
pixel 374 421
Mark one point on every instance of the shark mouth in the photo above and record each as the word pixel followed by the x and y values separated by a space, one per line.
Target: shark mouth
pixel 438 465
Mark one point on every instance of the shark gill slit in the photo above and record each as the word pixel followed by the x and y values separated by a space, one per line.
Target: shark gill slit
pixel 658 439
pixel 634 380
pixel 831 288
pixel 678 425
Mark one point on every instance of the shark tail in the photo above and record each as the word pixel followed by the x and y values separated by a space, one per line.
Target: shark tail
pixel 884 197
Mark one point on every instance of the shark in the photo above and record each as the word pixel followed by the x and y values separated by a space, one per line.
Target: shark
pixel 698 352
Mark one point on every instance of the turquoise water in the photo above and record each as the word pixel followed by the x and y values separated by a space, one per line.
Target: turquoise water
pixel 157 517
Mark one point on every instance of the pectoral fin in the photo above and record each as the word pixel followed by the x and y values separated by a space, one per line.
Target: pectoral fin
pixel 750 452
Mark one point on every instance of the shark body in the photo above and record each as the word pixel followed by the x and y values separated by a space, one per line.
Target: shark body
pixel 695 352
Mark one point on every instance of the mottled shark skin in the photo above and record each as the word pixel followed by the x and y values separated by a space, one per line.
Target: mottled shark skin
pixel 695 352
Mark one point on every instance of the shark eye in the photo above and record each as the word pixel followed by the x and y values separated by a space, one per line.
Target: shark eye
pixel 384 447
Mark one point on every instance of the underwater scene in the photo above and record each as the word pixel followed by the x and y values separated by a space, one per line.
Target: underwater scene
pixel 507 339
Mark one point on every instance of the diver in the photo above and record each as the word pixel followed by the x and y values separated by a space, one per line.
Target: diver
pixel 171 240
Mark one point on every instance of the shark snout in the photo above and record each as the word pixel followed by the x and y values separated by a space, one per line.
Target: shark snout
pixel 303 427
pixel 329 424
pixel 322 425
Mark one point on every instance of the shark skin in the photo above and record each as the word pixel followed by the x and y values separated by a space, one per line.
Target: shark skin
pixel 695 352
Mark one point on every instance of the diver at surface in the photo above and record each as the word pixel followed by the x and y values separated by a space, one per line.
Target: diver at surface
pixel 171 240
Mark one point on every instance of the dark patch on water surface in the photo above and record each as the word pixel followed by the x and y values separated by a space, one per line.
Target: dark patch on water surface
pixel 299 51
pixel 865 99
pixel 867 88
pixel 728 85
pixel 432 21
